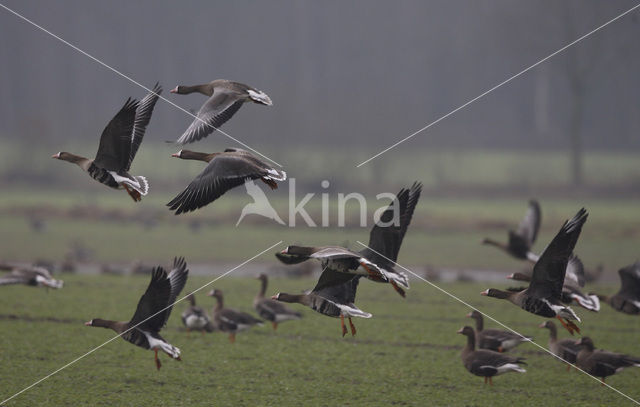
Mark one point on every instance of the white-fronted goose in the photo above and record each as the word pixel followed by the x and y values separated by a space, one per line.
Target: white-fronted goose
pixel 601 363
pixel 119 144
pixel 544 295
pixel 270 309
pixel 230 320
pixel 385 240
pixel 33 276
pixel 495 339
pixel 224 171
pixel 225 98
pixel 627 299
pixel 487 363
pixel 571 291
pixel 195 318
pixel 566 349
pixel 152 312
pixel 334 296
pixel 521 241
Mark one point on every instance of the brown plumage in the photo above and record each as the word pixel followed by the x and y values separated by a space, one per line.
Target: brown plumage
pixel 230 320
pixel 627 299
pixel 270 309
pixel 487 363
pixel 224 171
pixel 566 349
pixel 152 312
pixel 543 296
pixel 225 98
pixel 521 241
pixel 119 144
pixel 495 339
pixel 33 276
pixel 601 363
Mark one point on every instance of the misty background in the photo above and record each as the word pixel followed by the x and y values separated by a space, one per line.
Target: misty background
pixel 343 75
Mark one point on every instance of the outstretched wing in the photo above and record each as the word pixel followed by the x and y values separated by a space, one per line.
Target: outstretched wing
pixel 530 224
pixel 549 272
pixel 154 300
pixel 177 279
pixel 630 281
pixel 386 235
pixel 224 172
pixel 114 150
pixel 337 287
pixel 219 108
pixel 141 121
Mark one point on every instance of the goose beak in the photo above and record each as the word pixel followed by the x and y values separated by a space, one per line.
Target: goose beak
pixel 469 315
pixel 210 293
pixel 510 276
pixel 283 251
pixel 459 330
pixel 542 325
pixel 174 90
pixel 485 292
pixel 177 155
pixel 88 323
pixel 56 155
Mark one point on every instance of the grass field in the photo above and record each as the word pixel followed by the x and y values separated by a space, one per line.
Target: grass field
pixel 407 354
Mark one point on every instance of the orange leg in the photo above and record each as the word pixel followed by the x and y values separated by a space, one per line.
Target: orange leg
pixel 188 333
pixel 353 327
pixel 344 328
pixel 568 367
pixel 135 195
pixel 372 274
pixel 602 380
pixel 232 338
pixel 272 184
pixel 398 289
pixel 565 324
pixel 490 381
pixel 500 349
pixel 158 364
pixel 275 325
pixel 485 379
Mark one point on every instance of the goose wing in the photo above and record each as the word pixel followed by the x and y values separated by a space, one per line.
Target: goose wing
pixel 114 150
pixel 141 121
pixel 530 224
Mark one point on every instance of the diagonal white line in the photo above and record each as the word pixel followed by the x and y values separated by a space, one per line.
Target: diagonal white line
pixel 131 80
pixel 498 85
pixel 495 320
pixel 133 327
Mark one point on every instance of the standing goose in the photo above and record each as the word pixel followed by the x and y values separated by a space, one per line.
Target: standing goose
pixel 152 312
pixel 224 171
pixel 33 276
pixel 487 363
pixel 566 349
pixel 119 144
pixel 230 320
pixel 521 241
pixel 495 339
pixel 573 281
pixel 627 299
pixel 270 309
pixel 334 296
pixel 376 261
pixel 225 98
pixel 543 296
pixel 195 318
pixel 601 363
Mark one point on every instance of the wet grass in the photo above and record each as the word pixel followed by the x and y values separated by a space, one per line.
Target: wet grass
pixel 407 354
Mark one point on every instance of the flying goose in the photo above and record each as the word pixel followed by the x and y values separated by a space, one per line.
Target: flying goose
pixel 270 309
pixel 119 144
pixel 566 349
pixel 195 318
pixel 224 171
pixel 544 294
pixel 33 276
pixel 495 339
pixel 376 261
pixel 487 363
pixel 334 296
pixel 627 299
pixel 573 280
pixel 521 241
pixel 601 363
pixel 230 320
pixel 225 98
pixel 152 312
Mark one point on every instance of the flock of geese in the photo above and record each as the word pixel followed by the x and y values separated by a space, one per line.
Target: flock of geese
pixel 555 281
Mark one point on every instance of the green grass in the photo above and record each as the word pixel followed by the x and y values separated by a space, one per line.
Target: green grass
pixel 407 354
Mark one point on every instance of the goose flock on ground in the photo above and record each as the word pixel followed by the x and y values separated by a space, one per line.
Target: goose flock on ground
pixel 556 280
